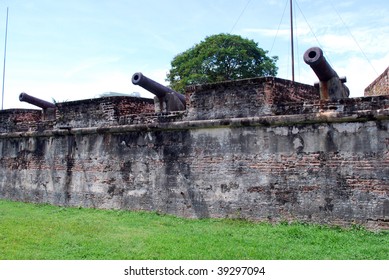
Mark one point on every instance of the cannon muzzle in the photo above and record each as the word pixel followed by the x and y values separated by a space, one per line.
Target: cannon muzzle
pixel 314 57
pixel 24 97
pixel 331 86
pixel 178 102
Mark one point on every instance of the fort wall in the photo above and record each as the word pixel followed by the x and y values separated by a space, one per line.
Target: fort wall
pixel 379 86
pixel 296 158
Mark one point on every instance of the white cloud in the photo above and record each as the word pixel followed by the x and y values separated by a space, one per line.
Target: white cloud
pixel 89 64
pixel 282 33
pixel 100 46
pixel 354 43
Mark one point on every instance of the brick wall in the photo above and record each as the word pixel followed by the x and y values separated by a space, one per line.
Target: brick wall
pixel 245 98
pixel 101 111
pixel 315 161
pixel 19 120
pixel 379 86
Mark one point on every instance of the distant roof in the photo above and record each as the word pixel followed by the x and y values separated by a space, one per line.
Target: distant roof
pixel 112 93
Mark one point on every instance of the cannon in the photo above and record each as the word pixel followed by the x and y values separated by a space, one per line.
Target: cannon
pixel 24 97
pixel 330 85
pixel 166 99
pixel 48 108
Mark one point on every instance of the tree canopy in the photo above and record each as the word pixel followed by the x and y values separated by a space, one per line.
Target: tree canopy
pixel 218 58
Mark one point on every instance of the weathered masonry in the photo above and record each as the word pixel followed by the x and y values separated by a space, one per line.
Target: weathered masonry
pixel 379 86
pixel 263 149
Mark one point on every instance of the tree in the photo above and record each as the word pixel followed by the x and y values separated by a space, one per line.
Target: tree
pixel 218 58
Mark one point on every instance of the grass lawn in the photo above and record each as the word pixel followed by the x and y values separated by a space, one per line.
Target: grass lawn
pixel 35 231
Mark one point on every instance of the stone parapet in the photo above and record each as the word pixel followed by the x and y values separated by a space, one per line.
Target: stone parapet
pixel 301 160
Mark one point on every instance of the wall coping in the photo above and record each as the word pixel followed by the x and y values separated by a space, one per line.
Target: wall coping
pixel 264 121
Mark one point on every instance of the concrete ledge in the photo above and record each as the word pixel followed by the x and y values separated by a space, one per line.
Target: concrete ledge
pixel 284 120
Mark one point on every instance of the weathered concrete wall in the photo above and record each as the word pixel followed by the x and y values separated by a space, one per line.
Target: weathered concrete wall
pixel 316 161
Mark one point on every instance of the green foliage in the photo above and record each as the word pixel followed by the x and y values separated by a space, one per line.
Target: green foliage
pixel 218 58
pixel 33 231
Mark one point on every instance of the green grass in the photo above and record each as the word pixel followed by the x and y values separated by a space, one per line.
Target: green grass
pixel 34 231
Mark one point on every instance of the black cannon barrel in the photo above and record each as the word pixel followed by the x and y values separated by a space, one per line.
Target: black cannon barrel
pixel 314 58
pixel 24 97
pixel 154 87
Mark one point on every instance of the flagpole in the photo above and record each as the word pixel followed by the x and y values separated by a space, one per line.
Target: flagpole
pixel 291 37
pixel 5 54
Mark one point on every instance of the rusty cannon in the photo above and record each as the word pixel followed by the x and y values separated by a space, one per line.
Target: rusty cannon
pixel 166 99
pixel 48 108
pixel 330 85
pixel 24 97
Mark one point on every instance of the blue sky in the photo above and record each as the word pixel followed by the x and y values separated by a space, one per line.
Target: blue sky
pixel 78 49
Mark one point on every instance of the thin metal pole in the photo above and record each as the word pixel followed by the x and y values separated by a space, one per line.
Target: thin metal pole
pixel 5 55
pixel 291 37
